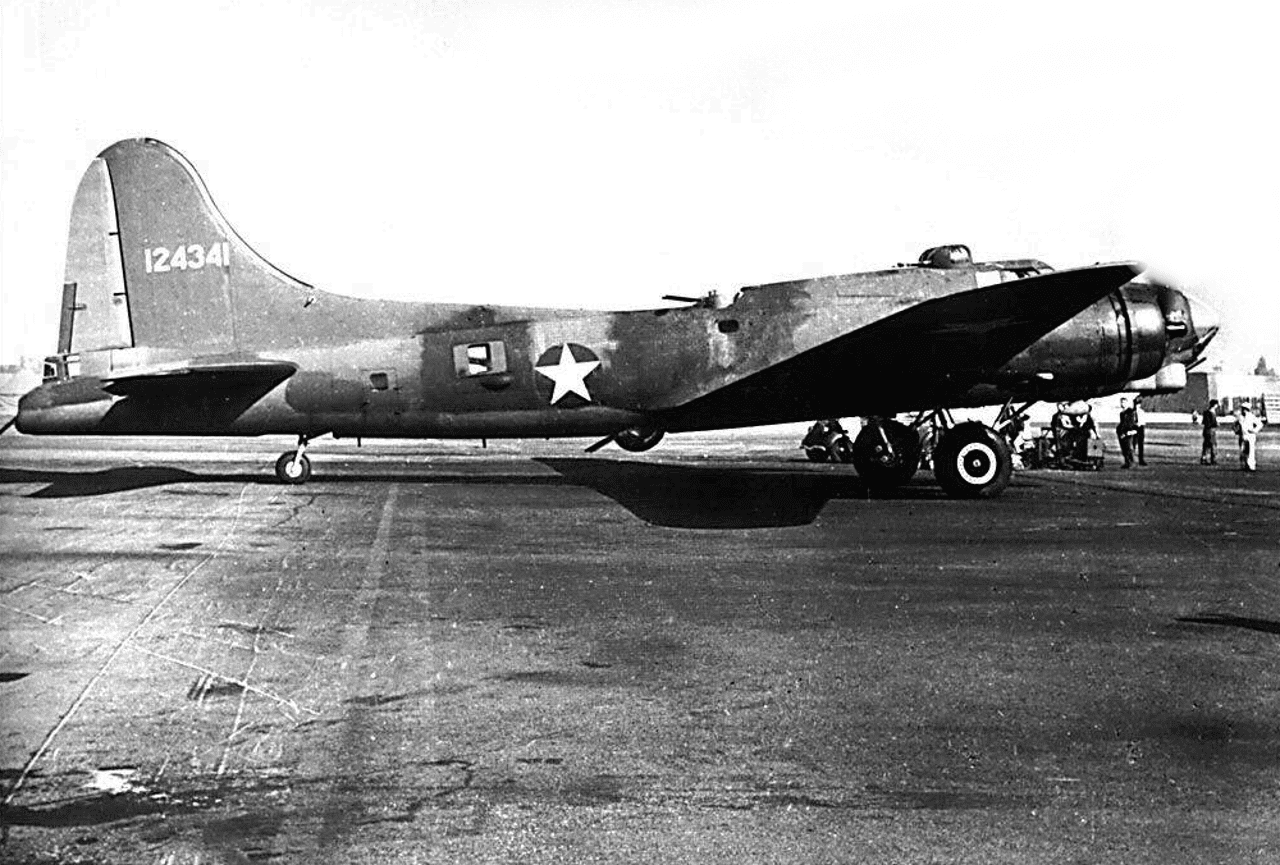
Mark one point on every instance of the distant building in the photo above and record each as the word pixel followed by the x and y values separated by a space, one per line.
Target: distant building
pixel 1231 390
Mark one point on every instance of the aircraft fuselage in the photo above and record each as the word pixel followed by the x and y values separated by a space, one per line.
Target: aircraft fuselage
pixel 422 370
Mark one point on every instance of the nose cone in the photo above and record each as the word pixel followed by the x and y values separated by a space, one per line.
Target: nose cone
pixel 1189 324
pixel 1205 322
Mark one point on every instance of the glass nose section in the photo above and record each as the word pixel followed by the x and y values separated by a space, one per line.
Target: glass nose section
pixel 1205 322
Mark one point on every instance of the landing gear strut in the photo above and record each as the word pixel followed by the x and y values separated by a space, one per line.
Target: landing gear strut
pixel 293 467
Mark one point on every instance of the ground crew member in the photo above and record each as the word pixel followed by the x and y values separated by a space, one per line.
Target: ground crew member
pixel 1059 426
pixel 1086 431
pixel 1249 427
pixel 1140 438
pixel 1127 431
pixel 1209 433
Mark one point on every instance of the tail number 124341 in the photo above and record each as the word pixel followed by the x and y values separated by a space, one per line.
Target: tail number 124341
pixel 191 256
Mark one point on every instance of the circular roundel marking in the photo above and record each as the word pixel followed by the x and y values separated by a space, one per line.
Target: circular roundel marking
pixel 977 463
pixel 562 372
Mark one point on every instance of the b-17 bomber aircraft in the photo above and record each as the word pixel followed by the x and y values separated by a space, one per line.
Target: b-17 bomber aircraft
pixel 172 325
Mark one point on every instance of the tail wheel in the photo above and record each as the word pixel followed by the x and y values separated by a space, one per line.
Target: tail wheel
pixel 972 461
pixel 293 468
pixel 886 454
pixel 638 439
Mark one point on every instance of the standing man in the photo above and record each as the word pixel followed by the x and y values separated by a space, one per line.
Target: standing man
pixel 1086 431
pixel 1059 427
pixel 1127 431
pixel 1250 426
pixel 1209 431
pixel 1140 439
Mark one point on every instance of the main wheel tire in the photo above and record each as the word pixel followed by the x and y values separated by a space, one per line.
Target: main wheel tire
pixel 293 471
pixel 886 467
pixel 817 455
pixel 638 439
pixel 972 461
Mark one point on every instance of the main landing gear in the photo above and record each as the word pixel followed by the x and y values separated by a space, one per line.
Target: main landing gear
pixel 293 467
pixel 970 460
pixel 886 453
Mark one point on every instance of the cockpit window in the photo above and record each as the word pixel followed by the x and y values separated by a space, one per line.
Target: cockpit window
pixel 1022 272
pixel 1011 273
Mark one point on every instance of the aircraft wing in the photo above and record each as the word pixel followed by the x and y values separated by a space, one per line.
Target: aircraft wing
pixel 920 355
pixel 256 376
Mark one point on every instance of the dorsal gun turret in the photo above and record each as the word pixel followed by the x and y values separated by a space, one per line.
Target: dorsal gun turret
pixel 946 257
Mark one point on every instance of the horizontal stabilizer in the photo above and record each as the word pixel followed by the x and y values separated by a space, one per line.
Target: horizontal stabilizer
pixel 257 376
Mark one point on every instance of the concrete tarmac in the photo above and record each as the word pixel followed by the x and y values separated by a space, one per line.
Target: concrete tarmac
pixel 713 652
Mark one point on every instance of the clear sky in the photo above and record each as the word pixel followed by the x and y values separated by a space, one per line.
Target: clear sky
pixel 604 153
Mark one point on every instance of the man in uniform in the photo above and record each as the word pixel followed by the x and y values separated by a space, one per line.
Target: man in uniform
pixel 1060 427
pixel 1249 427
pixel 1140 438
pixel 1086 431
pixel 1127 431
pixel 1209 434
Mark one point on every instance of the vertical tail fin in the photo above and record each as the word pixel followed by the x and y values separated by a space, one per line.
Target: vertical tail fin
pixel 152 263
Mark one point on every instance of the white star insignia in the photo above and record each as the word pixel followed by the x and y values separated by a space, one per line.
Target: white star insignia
pixel 569 375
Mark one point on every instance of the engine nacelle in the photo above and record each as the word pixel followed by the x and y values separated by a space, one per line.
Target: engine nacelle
pixel 1136 338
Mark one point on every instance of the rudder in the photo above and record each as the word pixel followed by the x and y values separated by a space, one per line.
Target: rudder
pixel 95 308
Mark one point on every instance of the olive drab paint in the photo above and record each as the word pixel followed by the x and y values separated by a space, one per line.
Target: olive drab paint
pixel 173 324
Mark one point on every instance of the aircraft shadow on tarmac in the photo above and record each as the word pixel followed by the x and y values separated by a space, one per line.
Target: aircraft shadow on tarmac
pixel 718 497
pixel 1266 626
pixel 676 496
pixel 70 484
